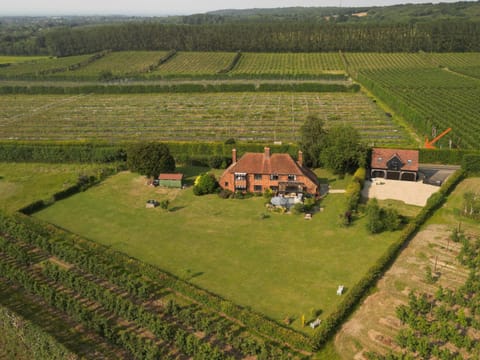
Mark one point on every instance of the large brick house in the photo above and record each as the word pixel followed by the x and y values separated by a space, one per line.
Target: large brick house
pixel 394 164
pixel 256 172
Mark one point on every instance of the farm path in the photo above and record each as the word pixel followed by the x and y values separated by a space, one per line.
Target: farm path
pixel 374 325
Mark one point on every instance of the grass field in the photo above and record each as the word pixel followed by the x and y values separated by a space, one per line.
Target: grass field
pixel 281 266
pixel 21 184
pixel 198 116
pixel 4 59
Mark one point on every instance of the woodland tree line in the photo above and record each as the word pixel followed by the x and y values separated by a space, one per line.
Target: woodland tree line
pixel 448 36
pixel 270 36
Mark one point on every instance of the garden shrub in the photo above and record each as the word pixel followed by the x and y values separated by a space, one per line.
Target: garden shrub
pixel 205 184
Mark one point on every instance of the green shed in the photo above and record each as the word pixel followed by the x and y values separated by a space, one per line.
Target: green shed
pixel 171 180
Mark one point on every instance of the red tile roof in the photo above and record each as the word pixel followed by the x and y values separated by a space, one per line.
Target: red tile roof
pixel 380 157
pixel 261 163
pixel 170 177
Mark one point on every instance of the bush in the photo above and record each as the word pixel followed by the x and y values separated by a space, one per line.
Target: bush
pixel 205 184
pixel 225 194
pixel 298 208
pixel 380 219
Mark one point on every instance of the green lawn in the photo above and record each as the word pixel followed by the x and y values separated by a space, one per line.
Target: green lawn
pixel 21 183
pixel 282 265
pixel 450 212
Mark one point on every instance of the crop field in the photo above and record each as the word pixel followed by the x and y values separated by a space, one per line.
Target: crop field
pixel 244 116
pixel 472 71
pixel 35 68
pixel 431 98
pixel 291 64
pixel 274 265
pixel 194 63
pixel 120 63
pixel 364 61
pixel 430 90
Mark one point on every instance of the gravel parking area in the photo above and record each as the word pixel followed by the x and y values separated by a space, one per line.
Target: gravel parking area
pixel 413 193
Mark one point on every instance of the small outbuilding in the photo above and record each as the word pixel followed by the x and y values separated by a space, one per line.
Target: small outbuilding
pixel 171 180
pixel 394 164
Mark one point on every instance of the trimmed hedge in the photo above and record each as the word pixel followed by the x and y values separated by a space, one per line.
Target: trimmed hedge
pixel 471 163
pixel 360 289
pixel 176 88
pixel 354 189
pixel 60 152
pixel 445 156
pixel 99 152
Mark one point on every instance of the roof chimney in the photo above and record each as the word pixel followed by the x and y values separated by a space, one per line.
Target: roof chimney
pixel 267 152
pixel 234 156
pixel 300 158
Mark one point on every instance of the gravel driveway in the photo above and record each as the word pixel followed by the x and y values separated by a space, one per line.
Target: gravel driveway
pixel 413 193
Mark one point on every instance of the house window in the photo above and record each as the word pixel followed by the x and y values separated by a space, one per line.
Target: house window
pixel 292 178
pixel 240 188
pixel 258 176
pixel 274 188
pixel 257 188
pixel 274 177
pixel 240 176
pixel 226 183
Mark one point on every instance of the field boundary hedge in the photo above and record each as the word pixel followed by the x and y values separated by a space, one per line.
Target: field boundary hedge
pixel 329 326
pixel 176 88
pixel 61 152
pixel 101 152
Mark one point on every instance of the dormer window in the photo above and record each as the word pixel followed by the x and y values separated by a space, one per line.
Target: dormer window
pixel 292 177
pixel 274 177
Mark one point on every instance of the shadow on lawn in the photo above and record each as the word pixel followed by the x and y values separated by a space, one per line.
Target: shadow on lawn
pixel 176 208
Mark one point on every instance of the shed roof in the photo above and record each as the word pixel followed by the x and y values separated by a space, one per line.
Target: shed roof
pixel 170 177
pixel 409 158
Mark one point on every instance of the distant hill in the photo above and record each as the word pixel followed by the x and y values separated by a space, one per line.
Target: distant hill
pixel 408 13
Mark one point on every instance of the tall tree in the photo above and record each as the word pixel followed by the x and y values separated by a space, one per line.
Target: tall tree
pixel 150 159
pixel 312 140
pixel 342 152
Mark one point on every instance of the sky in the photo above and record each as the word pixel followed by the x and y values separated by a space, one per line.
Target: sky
pixel 167 7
